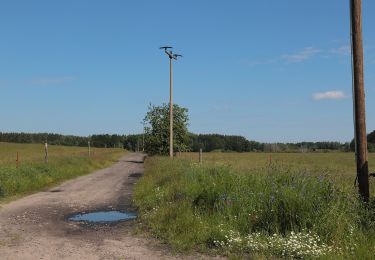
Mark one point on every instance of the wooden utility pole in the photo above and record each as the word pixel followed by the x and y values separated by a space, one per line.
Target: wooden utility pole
pixel 170 110
pixel 359 99
pixel 200 156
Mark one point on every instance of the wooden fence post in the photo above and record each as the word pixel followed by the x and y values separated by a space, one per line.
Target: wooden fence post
pixel 17 160
pixel 46 152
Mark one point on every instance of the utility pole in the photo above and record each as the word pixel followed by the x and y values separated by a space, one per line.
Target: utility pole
pixel 171 56
pixel 359 99
pixel 170 110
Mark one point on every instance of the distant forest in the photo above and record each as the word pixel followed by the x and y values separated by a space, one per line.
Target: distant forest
pixel 206 142
pixel 114 141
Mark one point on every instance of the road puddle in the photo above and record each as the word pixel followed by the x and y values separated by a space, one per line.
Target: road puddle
pixel 104 216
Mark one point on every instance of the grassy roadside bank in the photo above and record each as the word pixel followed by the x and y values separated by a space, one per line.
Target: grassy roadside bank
pixel 33 174
pixel 271 210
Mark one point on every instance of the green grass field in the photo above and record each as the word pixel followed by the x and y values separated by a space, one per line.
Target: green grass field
pixel 338 166
pixel 294 205
pixel 33 174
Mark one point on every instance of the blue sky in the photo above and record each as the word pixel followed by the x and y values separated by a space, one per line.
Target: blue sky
pixel 267 70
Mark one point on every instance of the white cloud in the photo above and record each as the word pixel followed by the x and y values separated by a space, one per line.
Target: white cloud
pixel 305 54
pixel 308 53
pixel 334 94
pixel 258 62
pixel 343 50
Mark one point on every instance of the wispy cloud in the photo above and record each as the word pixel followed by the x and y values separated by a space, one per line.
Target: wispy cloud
pixel 303 55
pixel 306 54
pixel 50 81
pixel 342 51
pixel 258 62
pixel 300 56
pixel 333 94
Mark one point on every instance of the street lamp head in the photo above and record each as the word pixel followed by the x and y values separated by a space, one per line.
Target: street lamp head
pixel 169 53
pixel 166 47
pixel 175 56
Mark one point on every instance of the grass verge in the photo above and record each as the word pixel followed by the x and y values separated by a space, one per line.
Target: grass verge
pixel 33 174
pixel 274 211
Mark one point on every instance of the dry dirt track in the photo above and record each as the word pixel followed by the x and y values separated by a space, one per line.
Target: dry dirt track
pixel 36 226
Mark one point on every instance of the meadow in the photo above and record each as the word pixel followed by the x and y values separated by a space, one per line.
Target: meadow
pixel 338 166
pixel 258 205
pixel 32 172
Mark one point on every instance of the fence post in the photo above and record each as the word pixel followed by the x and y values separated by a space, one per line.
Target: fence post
pixel 17 161
pixel 88 143
pixel 200 155
pixel 46 152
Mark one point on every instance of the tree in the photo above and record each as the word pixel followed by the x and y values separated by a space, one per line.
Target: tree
pixel 156 129
pixel 371 137
pixel 371 141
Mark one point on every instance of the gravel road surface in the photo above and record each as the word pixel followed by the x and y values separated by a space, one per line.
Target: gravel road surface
pixel 37 226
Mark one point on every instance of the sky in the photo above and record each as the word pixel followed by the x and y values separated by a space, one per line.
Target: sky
pixel 270 70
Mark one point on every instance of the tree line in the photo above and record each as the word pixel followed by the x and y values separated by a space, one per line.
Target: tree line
pixel 193 142
pixel 156 124
pixel 103 140
pixel 217 142
pixel 234 143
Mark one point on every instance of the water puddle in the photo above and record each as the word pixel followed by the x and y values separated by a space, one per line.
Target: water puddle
pixel 104 216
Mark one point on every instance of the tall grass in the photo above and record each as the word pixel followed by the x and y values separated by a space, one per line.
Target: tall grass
pixel 34 174
pixel 338 166
pixel 276 209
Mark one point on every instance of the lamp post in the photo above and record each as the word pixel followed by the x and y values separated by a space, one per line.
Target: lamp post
pixel 171 56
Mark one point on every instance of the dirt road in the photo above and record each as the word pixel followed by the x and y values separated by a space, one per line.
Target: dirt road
pixel 37 226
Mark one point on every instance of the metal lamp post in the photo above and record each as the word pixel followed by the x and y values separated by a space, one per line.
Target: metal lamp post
pixel 171 56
